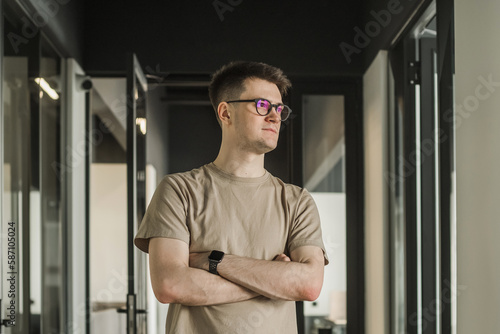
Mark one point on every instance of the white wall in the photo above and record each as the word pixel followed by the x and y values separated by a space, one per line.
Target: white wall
pixel 477 48
pixel 376 196
pixel 108 233
pixel 331 207
pixel 108 245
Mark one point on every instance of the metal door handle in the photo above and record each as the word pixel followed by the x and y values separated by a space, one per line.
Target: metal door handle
pixel 124 310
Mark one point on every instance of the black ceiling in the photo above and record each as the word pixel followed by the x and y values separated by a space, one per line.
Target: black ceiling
pixel 187 36
pixel 198 36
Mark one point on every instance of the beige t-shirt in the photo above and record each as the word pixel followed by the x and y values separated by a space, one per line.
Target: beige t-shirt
pixel 254 217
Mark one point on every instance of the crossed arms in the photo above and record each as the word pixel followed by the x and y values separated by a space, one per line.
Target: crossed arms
pixel 180 277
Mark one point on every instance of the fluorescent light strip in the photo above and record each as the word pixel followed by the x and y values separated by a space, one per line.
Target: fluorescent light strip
pixel 47 89
pixel 141 122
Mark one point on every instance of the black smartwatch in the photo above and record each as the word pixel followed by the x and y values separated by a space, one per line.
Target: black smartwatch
pixel 213 260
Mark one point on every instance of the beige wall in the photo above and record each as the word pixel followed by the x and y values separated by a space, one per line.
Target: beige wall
pixel 108 232
pixel 477 50
pixel 376 196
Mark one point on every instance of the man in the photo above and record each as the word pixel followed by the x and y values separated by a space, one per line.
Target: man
pixel 231 247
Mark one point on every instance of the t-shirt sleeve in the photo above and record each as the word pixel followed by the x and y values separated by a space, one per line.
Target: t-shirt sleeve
pixel 306 226
pixel 166 214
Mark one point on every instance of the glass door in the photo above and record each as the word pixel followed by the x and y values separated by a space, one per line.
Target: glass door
pixel 415 182
pixel 118 270
pixel 17 104
pixel 33 246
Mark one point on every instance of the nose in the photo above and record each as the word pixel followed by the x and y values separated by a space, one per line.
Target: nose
pixel 273 115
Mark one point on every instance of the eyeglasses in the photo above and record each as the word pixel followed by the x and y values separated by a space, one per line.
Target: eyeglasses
pixel 264 107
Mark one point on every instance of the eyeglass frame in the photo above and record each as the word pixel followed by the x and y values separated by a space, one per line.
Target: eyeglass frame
pixel 275 106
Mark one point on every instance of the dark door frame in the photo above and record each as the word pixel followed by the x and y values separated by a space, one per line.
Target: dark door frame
pixel 351 89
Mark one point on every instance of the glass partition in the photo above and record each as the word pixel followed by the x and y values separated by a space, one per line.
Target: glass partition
pixel 419 158
pixel 47 267
pixel 16 111
pixel 32 243
pixel 118 269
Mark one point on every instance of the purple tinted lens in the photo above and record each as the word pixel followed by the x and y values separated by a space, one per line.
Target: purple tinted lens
pixel 263 107
pixel 263 104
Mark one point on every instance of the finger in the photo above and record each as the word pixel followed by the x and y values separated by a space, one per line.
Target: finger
pixel 282 257
pixel 278 257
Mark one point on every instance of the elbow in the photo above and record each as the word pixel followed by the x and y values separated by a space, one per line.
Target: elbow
pixel 164 299
pixel 174 294
pixel 311 290
pixel 310 293
pixel 165 295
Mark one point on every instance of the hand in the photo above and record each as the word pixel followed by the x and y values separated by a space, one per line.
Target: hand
pixel 282 257
pixel 199 260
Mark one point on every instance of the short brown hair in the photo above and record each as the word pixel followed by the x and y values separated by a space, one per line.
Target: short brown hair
pixel 228 82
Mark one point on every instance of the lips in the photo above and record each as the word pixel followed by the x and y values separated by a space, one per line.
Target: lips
pixel 270 129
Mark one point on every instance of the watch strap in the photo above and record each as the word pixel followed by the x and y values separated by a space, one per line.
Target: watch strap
pixel 212 266
pixel 214 259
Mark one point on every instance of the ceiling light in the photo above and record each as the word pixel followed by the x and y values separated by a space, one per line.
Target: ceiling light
pixel 47 89
pixel 141 122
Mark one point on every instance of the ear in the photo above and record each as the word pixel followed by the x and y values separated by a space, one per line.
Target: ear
pixel 224 113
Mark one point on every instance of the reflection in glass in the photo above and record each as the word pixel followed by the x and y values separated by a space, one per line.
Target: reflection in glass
pixel 33 182
pixel 397 218
pixel 48 260
pixel 324 178
pixel 16 110
pixel 140 258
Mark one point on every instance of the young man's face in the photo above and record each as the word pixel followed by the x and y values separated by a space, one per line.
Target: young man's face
pixel 256 133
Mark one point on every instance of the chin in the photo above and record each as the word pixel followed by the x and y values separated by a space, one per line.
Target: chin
pixel 261 146
pixel 269 149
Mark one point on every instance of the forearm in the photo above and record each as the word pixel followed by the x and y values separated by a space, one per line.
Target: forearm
pixel 196 287
pixel 173 281
pixel 273 279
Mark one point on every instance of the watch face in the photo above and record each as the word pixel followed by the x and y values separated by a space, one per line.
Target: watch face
pixel 216 256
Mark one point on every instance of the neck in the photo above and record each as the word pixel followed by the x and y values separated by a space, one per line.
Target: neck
pixel 241 164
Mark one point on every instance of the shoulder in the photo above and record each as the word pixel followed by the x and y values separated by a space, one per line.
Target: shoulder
pixel 292 191
pixel 179 178
pixel 183 181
